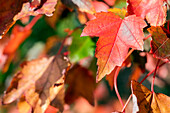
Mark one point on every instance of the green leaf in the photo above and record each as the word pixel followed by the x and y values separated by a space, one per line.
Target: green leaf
pixel 120 4
pixel 69 22
pixel 81 46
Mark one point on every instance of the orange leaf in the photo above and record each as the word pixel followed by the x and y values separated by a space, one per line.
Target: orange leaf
pixel 19 34
pixel 116 37
pixel 154 11
pixel 147 102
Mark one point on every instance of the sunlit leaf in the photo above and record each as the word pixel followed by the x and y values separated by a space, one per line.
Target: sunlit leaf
pixel 145 101
pixel 116 36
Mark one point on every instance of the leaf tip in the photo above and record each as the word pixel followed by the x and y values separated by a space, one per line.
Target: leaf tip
pixel 83 34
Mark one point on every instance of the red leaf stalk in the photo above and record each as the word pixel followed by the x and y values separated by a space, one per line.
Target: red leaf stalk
pixel 124 107
pixel 32 23
pixel 152 72
pixel 115 86
pixel 153 80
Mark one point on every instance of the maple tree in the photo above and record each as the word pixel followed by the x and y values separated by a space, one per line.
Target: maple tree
pixel 62 46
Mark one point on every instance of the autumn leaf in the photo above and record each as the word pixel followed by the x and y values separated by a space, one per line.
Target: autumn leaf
pixel 80 84
pixel 99 7
pixel 160 44
pixel 23 106
pixel 47 8
pixel 19 34
pixel 110 2
pixel 153 11
pixel 36 81
pixel 147 102
pixel 8 9
pixel 117 35
pixel 22 8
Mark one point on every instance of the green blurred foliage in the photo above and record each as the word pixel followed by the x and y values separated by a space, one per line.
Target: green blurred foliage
pixel 81 47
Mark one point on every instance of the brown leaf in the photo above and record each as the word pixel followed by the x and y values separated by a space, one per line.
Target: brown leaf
pixel 12 10
pixel 58 101
pixel 80 83
pixel 8 9
pixel 147 102
pixel 36 80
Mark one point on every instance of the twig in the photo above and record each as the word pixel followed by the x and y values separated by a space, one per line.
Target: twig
pixel 115 86
pixel 32 23
pixel 147 37
pixel 152 72
pixel 153 80
pixel 124 107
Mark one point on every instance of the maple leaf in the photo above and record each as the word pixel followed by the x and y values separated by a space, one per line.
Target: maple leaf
pixel 147 102
pixel 36 80
pixel 154 11
pixel 160 44
pixel 117 35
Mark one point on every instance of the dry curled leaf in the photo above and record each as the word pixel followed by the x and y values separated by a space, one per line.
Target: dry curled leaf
pixel 147 102
pixel 36 81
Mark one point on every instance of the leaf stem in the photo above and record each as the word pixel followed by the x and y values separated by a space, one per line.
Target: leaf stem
pixel 147 37
pixel 153 80
pixel 33 21
pixel 115 86
pixel 152 72
pixel 124 107
pixel 62 45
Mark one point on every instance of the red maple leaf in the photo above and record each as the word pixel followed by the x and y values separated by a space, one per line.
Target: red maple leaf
pixel 116 37
pixel 153 10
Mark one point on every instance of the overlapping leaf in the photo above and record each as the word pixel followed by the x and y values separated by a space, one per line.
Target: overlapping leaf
pixel 147 102
pixel 160 44
pixel 80 84
pixel 12 10
pixel 84 5
pixel 153 10
pixel 36 80
pixel 116 37
pixel 8 9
